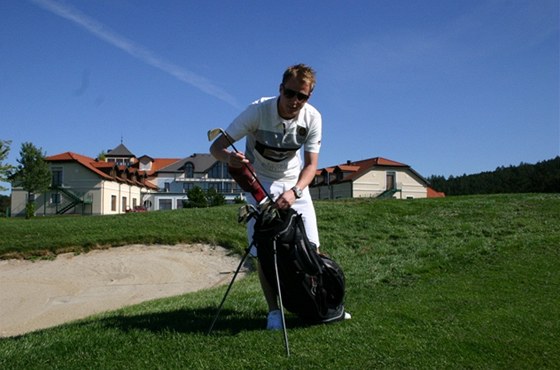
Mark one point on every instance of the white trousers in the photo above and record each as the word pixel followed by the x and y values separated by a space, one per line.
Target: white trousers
pixel 303 206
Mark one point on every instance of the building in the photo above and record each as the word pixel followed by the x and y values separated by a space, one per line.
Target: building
pixel 372 178
pixel 83 185
pixel 198 170
pixel 121 182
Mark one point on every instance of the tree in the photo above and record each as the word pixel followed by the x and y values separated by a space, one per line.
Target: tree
pixel 102 156
pixel 4 167
pixel 542 177
pixel 214 198
pixel 197 198
pixel 4 205
pixel 32 174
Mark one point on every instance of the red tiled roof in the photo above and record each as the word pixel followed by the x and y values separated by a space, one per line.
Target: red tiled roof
pixel 102 169
pixel 83 160
pixel 377 161
pixel 348 168
pixel 159 163
pixel 358 168
pixel 366 164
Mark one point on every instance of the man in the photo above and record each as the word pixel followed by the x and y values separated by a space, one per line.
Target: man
pixel 276 130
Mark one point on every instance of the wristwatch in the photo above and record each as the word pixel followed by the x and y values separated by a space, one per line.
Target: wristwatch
pixel 297 191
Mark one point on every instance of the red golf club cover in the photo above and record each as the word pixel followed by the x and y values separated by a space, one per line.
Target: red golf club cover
pixel 247 181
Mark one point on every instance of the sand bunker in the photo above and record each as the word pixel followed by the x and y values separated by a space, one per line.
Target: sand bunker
pixel 38 295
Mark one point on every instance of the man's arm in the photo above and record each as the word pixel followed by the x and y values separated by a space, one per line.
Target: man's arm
pixel 219 149
pixel 311 161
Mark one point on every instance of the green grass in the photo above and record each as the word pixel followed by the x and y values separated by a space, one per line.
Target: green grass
pixel 460 282
pixel 44 236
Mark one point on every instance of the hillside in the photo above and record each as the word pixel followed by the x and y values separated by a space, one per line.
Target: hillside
pixel 457 282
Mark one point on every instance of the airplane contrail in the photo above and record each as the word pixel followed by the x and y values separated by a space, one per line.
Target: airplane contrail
pixel 102 32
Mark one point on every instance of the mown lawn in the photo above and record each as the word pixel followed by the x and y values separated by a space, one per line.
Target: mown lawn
pixel 460 282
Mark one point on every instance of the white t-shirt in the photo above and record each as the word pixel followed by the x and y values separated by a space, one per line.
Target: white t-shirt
pixel 273 143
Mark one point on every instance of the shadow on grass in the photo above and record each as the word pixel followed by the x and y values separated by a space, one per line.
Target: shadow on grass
pixel 194 321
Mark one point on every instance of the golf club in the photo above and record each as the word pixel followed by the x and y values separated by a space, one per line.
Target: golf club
pixel 214 133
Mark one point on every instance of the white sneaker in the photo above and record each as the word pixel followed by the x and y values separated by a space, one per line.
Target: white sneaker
pixel 274 320
pixel 347 316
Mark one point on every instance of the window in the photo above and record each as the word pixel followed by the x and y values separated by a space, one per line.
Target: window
pixel 145 166
pixel 165 204
pixel 219 171
pixel 180 203
pixel 166 187
pixel 56 176
pixel 123 208
pixel 189 170
pixel 113 203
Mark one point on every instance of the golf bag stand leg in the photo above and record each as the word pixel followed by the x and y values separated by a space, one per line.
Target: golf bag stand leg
pixel 247 251
pixel 286 344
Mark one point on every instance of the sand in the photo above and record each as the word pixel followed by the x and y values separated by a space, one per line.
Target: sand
pixel 46 293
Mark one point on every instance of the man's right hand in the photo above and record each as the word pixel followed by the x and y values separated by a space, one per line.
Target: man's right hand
pixel 236 159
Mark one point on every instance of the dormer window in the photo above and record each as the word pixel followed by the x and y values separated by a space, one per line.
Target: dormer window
pixel 189 170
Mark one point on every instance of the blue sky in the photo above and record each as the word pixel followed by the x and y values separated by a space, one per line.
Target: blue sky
pixel 448 87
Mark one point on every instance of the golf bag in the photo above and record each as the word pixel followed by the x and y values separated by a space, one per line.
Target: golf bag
pixel 312 286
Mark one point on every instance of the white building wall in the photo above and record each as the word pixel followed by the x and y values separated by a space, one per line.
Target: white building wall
pixel 411 187
pixel 118 197
pixel 372 184
pixel 369 185
pixel 86 185
pixel 18 201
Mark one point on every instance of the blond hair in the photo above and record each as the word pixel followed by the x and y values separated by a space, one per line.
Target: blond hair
pixel 301 72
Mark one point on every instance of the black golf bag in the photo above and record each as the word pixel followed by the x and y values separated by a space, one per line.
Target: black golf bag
pixel 312 285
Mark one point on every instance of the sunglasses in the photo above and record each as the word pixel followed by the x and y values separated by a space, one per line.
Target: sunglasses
pixel 289 93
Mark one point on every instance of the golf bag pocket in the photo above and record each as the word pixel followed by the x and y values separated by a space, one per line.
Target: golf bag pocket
pixel 288 232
